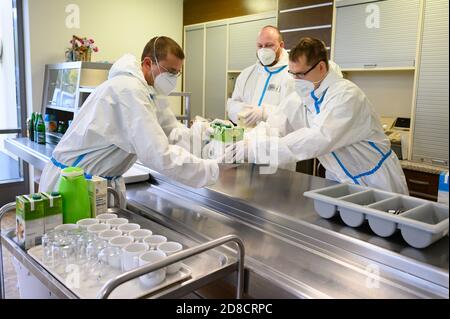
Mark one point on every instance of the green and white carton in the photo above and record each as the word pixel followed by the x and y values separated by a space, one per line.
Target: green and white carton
pixel 53 210
pixel 29 220
pixel 97 189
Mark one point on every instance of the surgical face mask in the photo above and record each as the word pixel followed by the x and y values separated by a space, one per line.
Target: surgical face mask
pixel 303 87
pixel 165 83
pixel 266 56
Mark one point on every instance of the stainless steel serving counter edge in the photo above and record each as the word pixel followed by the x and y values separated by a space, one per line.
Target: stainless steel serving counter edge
pixel 290 250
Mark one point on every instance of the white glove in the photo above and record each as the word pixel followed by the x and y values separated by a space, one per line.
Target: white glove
pixel 180 136
pixel 255 115
pixel 223 122
pixel 202 130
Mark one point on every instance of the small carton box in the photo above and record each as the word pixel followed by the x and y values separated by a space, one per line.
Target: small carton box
pixel 443 188
pixel 97 187
pixel 29 220
pixel 53 210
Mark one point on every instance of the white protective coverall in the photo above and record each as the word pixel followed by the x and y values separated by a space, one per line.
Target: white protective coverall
pixel 260 85
pixel 122 121
pixel 338 125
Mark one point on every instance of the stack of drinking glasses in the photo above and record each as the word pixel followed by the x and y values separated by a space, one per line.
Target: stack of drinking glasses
pixel 103 247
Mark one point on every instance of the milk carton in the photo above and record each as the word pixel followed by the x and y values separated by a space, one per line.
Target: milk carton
pixel 97 188
pixel 443 188
pixel 53 210
pixel 29 220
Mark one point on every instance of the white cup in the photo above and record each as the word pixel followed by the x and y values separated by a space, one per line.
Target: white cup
pixel 84 223
pixel 130 255
pixel 109 234
pixel 104 217
pixel 116 222
pixel 170 248
pixel 97 228
pixel 155 277
pixel 66 227
pixel 140 234
pixel 127 228
pixel 154 240
pixel 121 241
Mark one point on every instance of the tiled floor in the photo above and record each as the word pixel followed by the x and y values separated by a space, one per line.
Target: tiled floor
pixel 10 274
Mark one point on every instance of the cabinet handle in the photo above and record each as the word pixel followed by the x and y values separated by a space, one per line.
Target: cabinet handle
pixel 370 65
pixel 415 181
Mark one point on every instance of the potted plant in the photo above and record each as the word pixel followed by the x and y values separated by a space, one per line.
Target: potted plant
pixel 81 49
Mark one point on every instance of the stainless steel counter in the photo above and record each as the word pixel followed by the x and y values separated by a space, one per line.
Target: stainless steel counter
pixel 39 155
pixel 290 250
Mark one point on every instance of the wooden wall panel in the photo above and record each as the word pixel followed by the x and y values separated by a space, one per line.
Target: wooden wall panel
pixel 306 18
pixel 197 11
pixel 305 14
pixel 289 4
pixel 292 38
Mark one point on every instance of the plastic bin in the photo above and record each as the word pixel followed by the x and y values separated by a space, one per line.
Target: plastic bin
pixel 421 222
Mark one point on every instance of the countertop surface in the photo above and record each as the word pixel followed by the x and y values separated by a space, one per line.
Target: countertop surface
pixel 285 239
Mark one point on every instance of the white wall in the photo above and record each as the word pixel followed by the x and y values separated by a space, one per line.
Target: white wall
pixel 390 92
pixel 8 110
pixel 117 26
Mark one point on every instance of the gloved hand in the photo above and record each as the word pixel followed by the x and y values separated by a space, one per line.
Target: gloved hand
pixel 201 131
pixel 255 115
pixel 236 152
pixel 222 122
pixel 180 136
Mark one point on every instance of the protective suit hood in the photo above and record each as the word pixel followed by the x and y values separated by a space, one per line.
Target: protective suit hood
pixel 128 65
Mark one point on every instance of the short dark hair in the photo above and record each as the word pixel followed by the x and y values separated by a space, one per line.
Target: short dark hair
pixel 313 49
pixel 159 47
pixel 280 36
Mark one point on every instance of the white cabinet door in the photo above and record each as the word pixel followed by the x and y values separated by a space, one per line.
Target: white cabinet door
pixel 242 50
pixel 376 34
pixel 216 71
pixel 194 44
pixel 431 129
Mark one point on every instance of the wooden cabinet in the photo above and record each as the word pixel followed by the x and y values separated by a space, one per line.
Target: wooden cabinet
pixel 422 185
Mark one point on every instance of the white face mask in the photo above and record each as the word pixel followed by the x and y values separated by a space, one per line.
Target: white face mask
pixel 266 56
pixel 303 87
pixel 165 83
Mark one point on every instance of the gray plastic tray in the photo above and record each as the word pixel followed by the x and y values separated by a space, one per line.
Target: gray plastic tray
pixel 421 222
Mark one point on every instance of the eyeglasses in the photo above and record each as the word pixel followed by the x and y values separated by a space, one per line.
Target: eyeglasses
pixel 301 75
pixel 175 74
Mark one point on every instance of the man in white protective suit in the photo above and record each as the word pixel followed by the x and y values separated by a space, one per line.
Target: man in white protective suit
pixel 260 87
pixel 329 118
pixel 128 118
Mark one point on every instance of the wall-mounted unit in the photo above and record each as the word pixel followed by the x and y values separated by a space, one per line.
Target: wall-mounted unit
pixel 376 34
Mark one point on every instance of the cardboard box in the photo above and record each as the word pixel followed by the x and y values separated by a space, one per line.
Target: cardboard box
pixel 53 210
pixel 97 187
pixel 29 220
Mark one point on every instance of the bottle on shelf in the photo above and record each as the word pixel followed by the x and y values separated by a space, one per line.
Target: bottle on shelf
pixel 39 130
pixel 31 127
